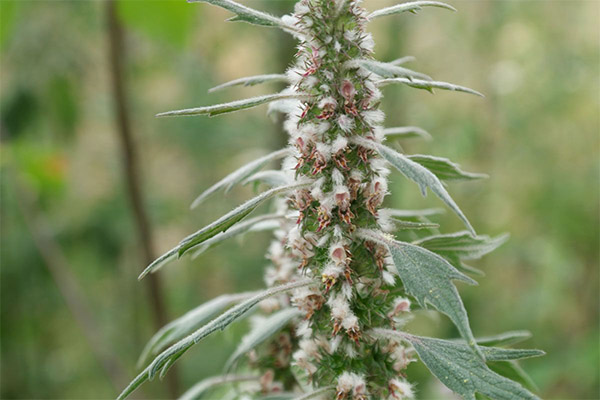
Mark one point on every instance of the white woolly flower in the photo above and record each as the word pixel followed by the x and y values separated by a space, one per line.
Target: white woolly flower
pixel 337 177
pixel 337 46
pixel 294 75
pixel 350 35
pixel 373 117
pixel 401 305
pixel 367 43
pixel 329 76
pixel 327 102
pixel 303 329
pixel 324 150
pixel 340 143
pixel 301 8
pixel 337 253
pixel 325 88
pixel 317 189
pixel 401 389
pixel 345 123
pixel 340 308
pixel 388 278
pixel 310 82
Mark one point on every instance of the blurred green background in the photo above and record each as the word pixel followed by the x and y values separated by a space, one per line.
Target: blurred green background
pixel 536 133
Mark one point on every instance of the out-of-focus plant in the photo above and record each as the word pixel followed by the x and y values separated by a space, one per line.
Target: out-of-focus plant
pixel 340 285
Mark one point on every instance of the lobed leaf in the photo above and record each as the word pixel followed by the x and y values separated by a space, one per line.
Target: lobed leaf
pixel 445 169
pixel 460 370
pixel 429 85
pixel 239 175
pixel 230 107
pixel 170 355
pixel 412 6
pixel 262 332
pixel 196 391
pixel 243 13
pixel 187 323
pixel 421 176
pixel 428 278
pixel 251 81
pixel 220 225
pixel 406 132
pixel 388 70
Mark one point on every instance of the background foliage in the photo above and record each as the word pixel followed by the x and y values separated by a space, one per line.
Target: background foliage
pixel 536 134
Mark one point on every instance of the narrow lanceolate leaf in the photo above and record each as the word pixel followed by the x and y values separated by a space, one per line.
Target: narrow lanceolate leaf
pixel 237 230
pixel 402 224
pixel 269 177
pixel 445 169
pixel 263 331
pixel 189 322
pixel 239 175
pixel 168 356
pixel 406 132
pixel 229 219
pixel 229 107
pixel 460 370
pixel 199 389
pixel 462 245
pixel 512 370
pixel 504 339
pixel 402 60
pixel 500 354
pixel 317 394
pixel 251 81
pixel 428 85
pixel 220 225
pixel 243 13
pixel 387 70
pixel 421 176
pixel 426 212
pixel 428 278
pixel 412 6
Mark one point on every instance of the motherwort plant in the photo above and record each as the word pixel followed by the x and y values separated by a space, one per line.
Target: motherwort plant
pixel 344 272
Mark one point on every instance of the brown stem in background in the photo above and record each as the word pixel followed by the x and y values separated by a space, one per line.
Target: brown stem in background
pixel 66 282
pixel 142 224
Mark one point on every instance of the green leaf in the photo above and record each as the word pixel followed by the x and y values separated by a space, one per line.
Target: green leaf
pixel 241 228
pixel 421 176
pixel 187 323
pixel 512 370
pixel 428 278
pixel 406 132
pixel 220 225
pixel 200 388
pixel 263 331
pixel 269 177
pixel 239 175
pixel 316 394
pixel 499 354
pixel 445 169
pixel 462 244
pixel 412 6
pixel 429 85
pixel 402 60
pixel 168 356
pixel 460 370
pixel 387 70
pixel 402 224
pixel 230 107
pixel 168 21
pixel 251 81
pixel 244 13
pixel 504 339
pixel 427 212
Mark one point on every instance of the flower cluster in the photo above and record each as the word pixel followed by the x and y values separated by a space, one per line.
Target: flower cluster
pixel 349 184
